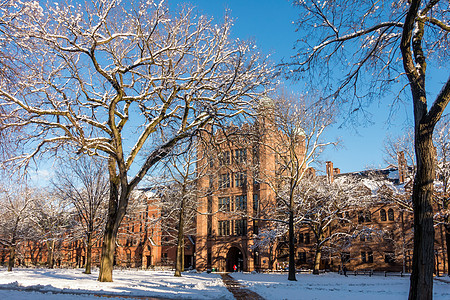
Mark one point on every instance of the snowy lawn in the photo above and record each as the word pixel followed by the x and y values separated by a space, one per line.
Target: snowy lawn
pixel 23 284
pixel 333 286
pixel 74 285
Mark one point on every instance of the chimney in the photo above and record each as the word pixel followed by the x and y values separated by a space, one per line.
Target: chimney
pixel 401 167
pixel 330 172
pixel 337 171
pixel 310 172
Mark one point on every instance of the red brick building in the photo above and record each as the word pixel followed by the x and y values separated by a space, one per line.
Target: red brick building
pixel 141 242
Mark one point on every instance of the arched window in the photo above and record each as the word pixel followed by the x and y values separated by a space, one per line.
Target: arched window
pixel 391 214
pixel 383 215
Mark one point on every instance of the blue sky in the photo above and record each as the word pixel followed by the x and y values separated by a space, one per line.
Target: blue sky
pixel 269 24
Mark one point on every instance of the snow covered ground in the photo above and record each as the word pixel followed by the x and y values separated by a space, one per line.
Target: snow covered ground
pixel 333 286
pixel 71 284
pixel 26 282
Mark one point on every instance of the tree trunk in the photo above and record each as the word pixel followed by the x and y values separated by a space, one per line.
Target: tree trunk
pixel 87 267
pixel 403 242
pixel 421 286
pixel 108 250
pixel 180 254
pixel 447 245
pixel 112 226
pixel 442 246
pixel 291 275
pixel 50 250
pixel 12 258
pixel 317 258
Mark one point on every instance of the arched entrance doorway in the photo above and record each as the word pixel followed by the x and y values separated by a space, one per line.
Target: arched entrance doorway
pixel 282 255
pixel 235 257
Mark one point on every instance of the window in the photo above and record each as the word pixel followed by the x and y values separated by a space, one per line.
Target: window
pixel 255 227
pixel 301 238
pixel 345 257
pixel 370 256
pixel 224 158
pixel 367 217
pixel 391 214
pixel 241 202
pixel 211 182
pixel 224 181
pixel 364 216
pixel 255 152
pixel 241 227
pixel 256 179
pixel 240 155
pixel 307 238
pixel 224 203
pixel 255 202
pixel 302 257
pixel 383 215
pixel 388 235
pixel 210 200
pixel 362 238
pixel 389 257
pixel 360 216
pixel 211 162
pixel 363 257
pixel 209 227
pixel 240 179
pixel 224 228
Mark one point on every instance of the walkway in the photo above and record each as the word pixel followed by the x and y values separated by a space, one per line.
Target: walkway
pixel 238 290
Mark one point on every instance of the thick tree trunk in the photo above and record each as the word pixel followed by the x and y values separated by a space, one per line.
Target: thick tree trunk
pixel 108 250
pixel 87 267
pixel 115 216
pixel 421 286
pixel 317 258
pixel 291 275
pixel 180 253
pixel 12 258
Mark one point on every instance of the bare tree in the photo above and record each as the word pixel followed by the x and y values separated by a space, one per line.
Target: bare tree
pixel 51 222
pixel 442 144
pixel 295 139
pixel 378 43
pixel 405 144
pixel 9 70
pixel 107 80
pixel 323 206
pixel 441 141
pixel 179 196
pixel 84 184
pixel 15 208
pixel 393 145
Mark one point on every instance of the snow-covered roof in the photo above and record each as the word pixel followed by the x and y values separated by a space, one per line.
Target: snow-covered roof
pixel 374 179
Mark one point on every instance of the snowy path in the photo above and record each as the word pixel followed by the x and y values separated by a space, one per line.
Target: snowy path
pixel 238 290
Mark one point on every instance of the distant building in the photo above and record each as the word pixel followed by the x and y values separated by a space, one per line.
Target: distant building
pixel 141 243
